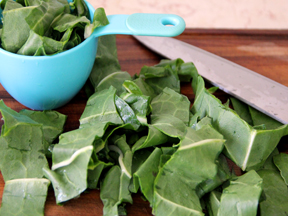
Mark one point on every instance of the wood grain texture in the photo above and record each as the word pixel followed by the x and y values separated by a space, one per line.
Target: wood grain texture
pixel 265 52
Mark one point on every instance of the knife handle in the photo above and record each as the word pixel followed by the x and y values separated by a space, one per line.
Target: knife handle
pixel 144 24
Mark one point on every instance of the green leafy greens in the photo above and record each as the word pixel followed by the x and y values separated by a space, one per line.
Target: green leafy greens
pixel 24 197
pixel 46 27
pixel 24 144
pixel 141 135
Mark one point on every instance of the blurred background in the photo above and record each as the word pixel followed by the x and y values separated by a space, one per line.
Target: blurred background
pixel 243 14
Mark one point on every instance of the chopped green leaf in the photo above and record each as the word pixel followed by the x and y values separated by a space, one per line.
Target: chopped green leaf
pixel 182 170
pixel 241 197
pixel 171 103
pixel 114 190
pixel 169 125
pixel 21 146
pixel 24 197
pixel 101 107
pixel 127 114
pixel 106 61
pixel 245 145
pixel 15 32
pixel 41 16
pixel 115 79
pixel 99 19
pixel 275 194
pixel 155 137
pixel 213 203
pixel 36 27
pixel 146 174
pixel 160 77
pixel 281 161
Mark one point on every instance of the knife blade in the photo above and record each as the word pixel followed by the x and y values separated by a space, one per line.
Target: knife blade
pixel 258 91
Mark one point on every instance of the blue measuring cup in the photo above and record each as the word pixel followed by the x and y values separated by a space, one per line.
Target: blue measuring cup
pixel 49 82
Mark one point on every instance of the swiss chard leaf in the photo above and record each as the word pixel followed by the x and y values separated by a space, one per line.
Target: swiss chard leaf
pixel 269 163
pixel 155 137
pixel 281 161
pixel 95 170
pixel 160 77
pixel 10 5
pixel 146 174
pixel 24 197
pixel 171 103
pixel 140 104
pixel 41 16
pixel 106 61
pixel 241 197
pixel 183 69
pixel 204 121
pixel 223 174
pixel 101 107
pixel 15 32
pixel 70 38
pixel 115 188
pixel 71 143
pixel 32 2
pixel 67 21
pixel 34 27
pixel 174 64
pixel 193 120
pixel 36 42
pixel 169 125
pixel 21 146
pixel 144 87
pixel 167 154
pixel 70 161
pixel 260 118
pixel 52 125
pixel 80 8
pixel 125 154
pixel 99 19
pixel 70 179
pixel 132 87
pixel 115 79
pixel 275 194
pixel 17 162
pixel 127 114
pixel 182 170
pixel 242 141
pixel 52 122
pixel 138 159
pixel 213 203
pixel 242 110
pixel 253 116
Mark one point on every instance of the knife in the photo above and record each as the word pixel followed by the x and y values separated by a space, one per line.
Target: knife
pixel 258 91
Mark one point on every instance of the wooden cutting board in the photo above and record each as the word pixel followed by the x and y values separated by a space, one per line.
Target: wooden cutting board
pixel 265 52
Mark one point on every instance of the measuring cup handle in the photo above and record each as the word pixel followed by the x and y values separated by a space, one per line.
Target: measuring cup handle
pixel 146 24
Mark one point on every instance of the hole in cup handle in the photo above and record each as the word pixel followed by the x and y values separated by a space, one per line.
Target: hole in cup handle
pixel 147 24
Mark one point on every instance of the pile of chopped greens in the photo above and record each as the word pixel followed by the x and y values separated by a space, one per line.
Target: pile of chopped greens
pixel 46 27
pixel 141 135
